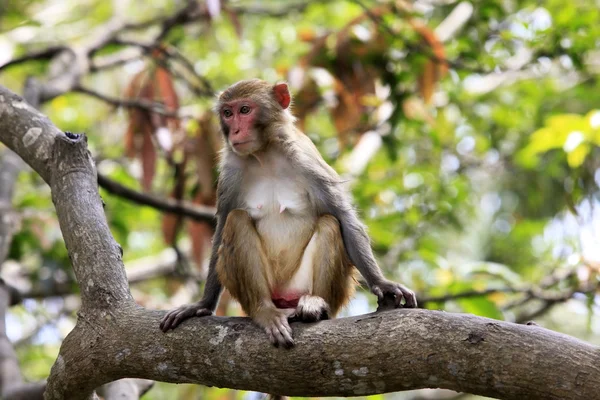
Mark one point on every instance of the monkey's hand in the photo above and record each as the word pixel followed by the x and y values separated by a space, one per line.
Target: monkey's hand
pixel 275 322
pixel 390 294
pixel 180 314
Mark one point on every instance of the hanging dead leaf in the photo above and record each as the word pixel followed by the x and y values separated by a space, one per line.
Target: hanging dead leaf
pixel 305 101
pixel 347 113
pixel 165 93
pixel 146 129
pixel 207 144
pixel 435 68
pixel 171 223
pixel 357 61
pixel 148 157
pixel 235 20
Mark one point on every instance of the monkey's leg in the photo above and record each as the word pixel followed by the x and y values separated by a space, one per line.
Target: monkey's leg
pixel 333 281
pixel 244 269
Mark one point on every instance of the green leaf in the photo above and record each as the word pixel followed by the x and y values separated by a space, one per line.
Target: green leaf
pixel 576 157
pixel 481 306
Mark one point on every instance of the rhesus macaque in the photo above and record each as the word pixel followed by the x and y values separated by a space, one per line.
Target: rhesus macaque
pixel 287 237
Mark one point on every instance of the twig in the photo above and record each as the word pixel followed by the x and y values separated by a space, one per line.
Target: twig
pixel 195 212
pixel 469 293
pixel 35 55
pixel 155 107
pixel 271 12
pixel 173 54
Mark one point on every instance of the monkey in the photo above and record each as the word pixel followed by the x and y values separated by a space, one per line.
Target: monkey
pixel 288 240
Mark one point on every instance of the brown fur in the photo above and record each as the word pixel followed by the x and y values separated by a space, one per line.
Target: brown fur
pixel 243 265
pixel 334 276
pixel 245 270
pixel 257 250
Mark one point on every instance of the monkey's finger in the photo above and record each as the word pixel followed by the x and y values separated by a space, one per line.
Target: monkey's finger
pixel 288 341
pixel 399 295
pixel 377 292
pixel 280 340
pixel 286 332
pixel 411 298
pixel 283 322
pixel 271 337
pixel 167 321
pixel 203 312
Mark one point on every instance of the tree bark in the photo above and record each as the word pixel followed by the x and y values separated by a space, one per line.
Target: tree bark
pixel 383 352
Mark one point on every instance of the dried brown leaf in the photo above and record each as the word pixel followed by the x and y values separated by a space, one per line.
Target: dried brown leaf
pixel 148 158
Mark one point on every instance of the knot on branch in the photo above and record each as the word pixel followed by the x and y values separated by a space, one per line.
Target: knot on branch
pixel 69 155
pixel 73 136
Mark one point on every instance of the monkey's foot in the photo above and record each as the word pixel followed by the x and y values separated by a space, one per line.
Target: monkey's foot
pixel 275 323
pixel 311 309
pixel 180 314
pixel 390 295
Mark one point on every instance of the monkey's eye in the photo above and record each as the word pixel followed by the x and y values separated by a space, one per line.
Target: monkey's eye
pixel 245 110
pixel 227 113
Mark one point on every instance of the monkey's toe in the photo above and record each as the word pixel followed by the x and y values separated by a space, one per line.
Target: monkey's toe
pixel 275 323
pixel 311 309
pixel 175 317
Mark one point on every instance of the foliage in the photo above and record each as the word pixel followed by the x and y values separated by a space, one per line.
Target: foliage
pixel 486 177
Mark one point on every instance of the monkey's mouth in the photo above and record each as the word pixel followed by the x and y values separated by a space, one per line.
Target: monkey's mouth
pixel 237 144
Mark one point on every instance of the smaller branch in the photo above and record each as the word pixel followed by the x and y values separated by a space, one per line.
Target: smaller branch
pixel 139 270
pixel 268 11
pixel 541 292
pixel 468 294
pixel 154 107
pixel 196 212
pixel 44 54
pixel 172 53
pixel 189 13
pixel 102 63
pixel 543 309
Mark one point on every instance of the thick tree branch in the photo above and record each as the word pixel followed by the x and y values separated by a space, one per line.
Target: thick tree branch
pixel 376 353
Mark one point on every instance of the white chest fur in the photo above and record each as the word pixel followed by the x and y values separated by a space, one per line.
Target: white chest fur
pixel 277 198
pixel 273 188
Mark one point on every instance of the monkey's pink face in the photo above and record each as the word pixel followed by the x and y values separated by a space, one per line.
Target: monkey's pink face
pixel 239 118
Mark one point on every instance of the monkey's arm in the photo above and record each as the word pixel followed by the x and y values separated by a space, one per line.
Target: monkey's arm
pixel 330 198
pixel 227 195
pixel 213 288
pixel 358 246
pixel 212 291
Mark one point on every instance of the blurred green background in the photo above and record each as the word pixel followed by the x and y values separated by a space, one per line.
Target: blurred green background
pixel 469 133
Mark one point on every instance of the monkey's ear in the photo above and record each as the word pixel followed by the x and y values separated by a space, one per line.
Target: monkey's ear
pixel 282 95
